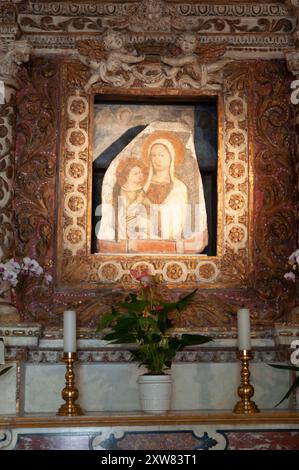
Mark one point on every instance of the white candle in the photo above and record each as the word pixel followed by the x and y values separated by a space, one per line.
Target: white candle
pixel 69 331
pixel 244 329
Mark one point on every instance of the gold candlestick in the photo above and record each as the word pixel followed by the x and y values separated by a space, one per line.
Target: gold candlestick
pixel 70 393
pixel 245 389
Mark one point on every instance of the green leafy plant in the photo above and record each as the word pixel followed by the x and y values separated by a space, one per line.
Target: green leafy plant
pixel 147 321
pixel 294 385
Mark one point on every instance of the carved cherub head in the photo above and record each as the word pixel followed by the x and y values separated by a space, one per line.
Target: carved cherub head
pixel 113 40
pixel 187 43
pixel 153 10
pixel 21 52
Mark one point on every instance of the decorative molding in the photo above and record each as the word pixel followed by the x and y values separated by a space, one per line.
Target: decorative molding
pixel 20 331
pixel 285 333
pixel 7 439
pixel 191 432
pixel 55 25
pixel 8 20
pixel 122 355
pixel 268 43
pixel 99 8
pixel 118 439
pixel 174 22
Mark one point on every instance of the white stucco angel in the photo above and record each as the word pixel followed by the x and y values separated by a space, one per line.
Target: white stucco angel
pixel 12 54
pixel 195 64
pixel 110 61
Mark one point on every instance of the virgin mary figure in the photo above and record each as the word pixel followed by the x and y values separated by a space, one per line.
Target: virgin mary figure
pixel 167 195
pixel 171 202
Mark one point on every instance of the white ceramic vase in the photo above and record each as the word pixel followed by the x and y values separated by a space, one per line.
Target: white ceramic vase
pixel 155 393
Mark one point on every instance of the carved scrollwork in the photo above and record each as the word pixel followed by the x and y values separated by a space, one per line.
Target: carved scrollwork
pixel 156 16
pixel 274 194
pixel 6 174
pixel 35 182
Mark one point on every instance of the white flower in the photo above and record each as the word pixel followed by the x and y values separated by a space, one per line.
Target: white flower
pixel 294 257
pixel 32 266
pixel 290 276
pixel 11 270
pixel 2 269
pixel 12 266
pixel 11 277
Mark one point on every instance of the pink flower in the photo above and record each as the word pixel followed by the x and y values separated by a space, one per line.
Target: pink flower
pixel 145 277
pixel 158 308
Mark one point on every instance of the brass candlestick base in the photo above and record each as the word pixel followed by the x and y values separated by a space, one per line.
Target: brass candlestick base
pixel 245 389
pixel 70 392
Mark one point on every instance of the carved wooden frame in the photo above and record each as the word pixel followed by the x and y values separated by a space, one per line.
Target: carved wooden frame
pixel 253 103
pixel 77 268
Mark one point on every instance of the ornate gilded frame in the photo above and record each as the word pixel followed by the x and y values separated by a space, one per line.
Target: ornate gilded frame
pixel 78 268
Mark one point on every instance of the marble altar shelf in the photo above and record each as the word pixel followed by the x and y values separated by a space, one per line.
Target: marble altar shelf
pixel 124 418
pixel 196 430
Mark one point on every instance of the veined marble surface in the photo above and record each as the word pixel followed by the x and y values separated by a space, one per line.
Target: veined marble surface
pixel 113 387
pixel 206 377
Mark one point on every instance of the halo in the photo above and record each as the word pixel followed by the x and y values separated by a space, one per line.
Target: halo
pixel 126 163
pixel 173 139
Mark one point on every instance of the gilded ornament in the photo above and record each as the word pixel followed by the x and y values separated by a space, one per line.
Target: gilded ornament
pixel 109 272
pixel 236 139
pixel 236 234
pixel 236 202
pixel 77 138
pixel 74 236
pixel 78 107
pixel 236 170
pixel 236 107
pixel 174 271
pixel 75 203
pixel 229 219
pixel 206 271
pixel 76 170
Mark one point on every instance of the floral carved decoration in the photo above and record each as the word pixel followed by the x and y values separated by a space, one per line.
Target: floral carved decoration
pixel 36 151
pixel 275 194
pixel 6 172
